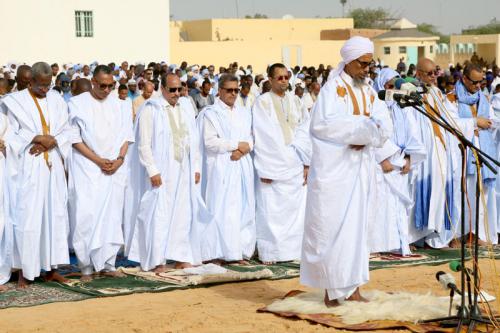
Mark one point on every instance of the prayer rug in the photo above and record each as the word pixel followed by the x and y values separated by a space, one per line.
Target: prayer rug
pixel 384 311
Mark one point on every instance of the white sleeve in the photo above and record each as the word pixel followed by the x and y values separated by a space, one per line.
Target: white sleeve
pixel 145 138
pixel 213 143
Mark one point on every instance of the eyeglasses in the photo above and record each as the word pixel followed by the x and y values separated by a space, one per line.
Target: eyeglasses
pixel 232 90
pixel 431 73
pixel 104 86
pixel 282 78
pixel 472 81
pixel 363 64
pixel 174 89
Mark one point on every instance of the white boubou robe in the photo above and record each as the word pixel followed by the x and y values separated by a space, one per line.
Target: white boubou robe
pixel 167 144
pixel 227 186
pixel 96 200
pixel 342 194
pixel 389 230
pixel 436 181
pixel 37 194
pixel 282 148
pixel 6 230
pixel 247 102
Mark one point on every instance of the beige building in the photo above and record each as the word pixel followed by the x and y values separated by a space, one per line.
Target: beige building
pixel 404 41
pixel 81 31
pixel 258 42
pixel 486 47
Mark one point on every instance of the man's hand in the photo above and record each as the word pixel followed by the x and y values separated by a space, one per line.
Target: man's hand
pixel 266 180
pixel 2 145
pixel 357 147
pixel 386 166
pixel 156 180
pixel 306 173
pixel 104 164
pixel 197 177
pixel 406 168
pixel 483 123
pixel 48 141
pixel 244 147
pixel 236 155
pixel 115 165
pixel 37 149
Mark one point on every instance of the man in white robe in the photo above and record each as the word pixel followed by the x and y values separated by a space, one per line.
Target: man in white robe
pixel 6 231
pixel 167 148
pixel 474 107
pixel 436 188
pixel 39 140
pixel 400 154
pixel 97 176
pixel 227 178
pixel 282 154
pixel 348 122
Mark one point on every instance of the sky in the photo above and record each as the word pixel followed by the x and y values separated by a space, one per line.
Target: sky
pixel 449 16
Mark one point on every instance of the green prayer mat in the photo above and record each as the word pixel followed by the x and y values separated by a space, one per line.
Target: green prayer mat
pixel 48 292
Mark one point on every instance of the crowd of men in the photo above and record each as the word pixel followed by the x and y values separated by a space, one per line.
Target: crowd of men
pixel 187 166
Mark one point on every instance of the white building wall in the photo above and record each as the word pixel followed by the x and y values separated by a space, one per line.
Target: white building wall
pixel 44 30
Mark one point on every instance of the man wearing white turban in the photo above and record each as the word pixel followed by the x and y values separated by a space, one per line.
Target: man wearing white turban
pixel 348 123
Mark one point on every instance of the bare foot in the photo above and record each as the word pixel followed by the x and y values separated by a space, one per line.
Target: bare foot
pixel 330 303
pixel 482 243
pixel 182 265
pixel 160 269
pixel 3 288
pixel 56 277
pixel 413 248
pixel 22 283
pixel 86 278
pixel 218 262
pixel 455 243
pixel 114 274
pixel 356 297
pixel 243 262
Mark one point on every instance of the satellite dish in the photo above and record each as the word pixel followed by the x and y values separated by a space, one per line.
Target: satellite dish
pixel 288 17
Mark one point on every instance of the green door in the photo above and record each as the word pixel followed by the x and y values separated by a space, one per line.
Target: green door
pixel 412 55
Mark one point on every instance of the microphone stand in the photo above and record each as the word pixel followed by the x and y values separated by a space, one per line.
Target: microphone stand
pixel 473 315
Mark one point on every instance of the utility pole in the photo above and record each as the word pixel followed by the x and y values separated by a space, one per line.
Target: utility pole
pixel 237 9
pixel 343 2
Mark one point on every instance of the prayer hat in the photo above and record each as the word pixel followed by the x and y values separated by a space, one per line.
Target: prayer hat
pixel 131 82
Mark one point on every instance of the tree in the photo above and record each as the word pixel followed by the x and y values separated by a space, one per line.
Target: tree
pixel 368 18
pixel 491 28
pixel 256 16
pixel 431 29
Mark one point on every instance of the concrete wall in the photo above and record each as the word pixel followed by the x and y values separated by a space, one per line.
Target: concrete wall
pixel 260 29
pixel 344 34
pixel 35 30
pixel 259 53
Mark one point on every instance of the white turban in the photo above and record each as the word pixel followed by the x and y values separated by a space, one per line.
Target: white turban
pixel 353 48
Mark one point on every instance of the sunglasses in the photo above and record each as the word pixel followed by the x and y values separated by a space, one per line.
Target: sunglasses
pixel 363 64
pixel 174 89
pixel 472 81
pixel 103 86
pixel 282 78
pixel 431 73
pixel 232 90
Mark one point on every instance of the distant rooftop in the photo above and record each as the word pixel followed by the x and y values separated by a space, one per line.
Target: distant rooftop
pixel 404 29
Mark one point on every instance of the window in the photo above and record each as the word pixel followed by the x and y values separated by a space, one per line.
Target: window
pixel 431 49
pixel 387 50
pixel 84 23
pixel 402 49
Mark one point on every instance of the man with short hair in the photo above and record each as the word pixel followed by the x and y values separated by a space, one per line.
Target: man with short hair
pixel 282 152
pixel 97 174
pixel 23 77
pixel 164 181
pixel 310 97
pixel 474 106
pixel 228 178
pixel 4 87
pixel 39 141
pixel 147 92
pixel 203 98
pixel 245 98
pixel 80 86
pixel 348 123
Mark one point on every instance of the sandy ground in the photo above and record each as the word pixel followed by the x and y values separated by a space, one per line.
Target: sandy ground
pixel 223 308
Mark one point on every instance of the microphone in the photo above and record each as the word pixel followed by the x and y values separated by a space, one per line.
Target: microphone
pixel 403 98
pixel 413 86
pixel 447 281
pixel 456 266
